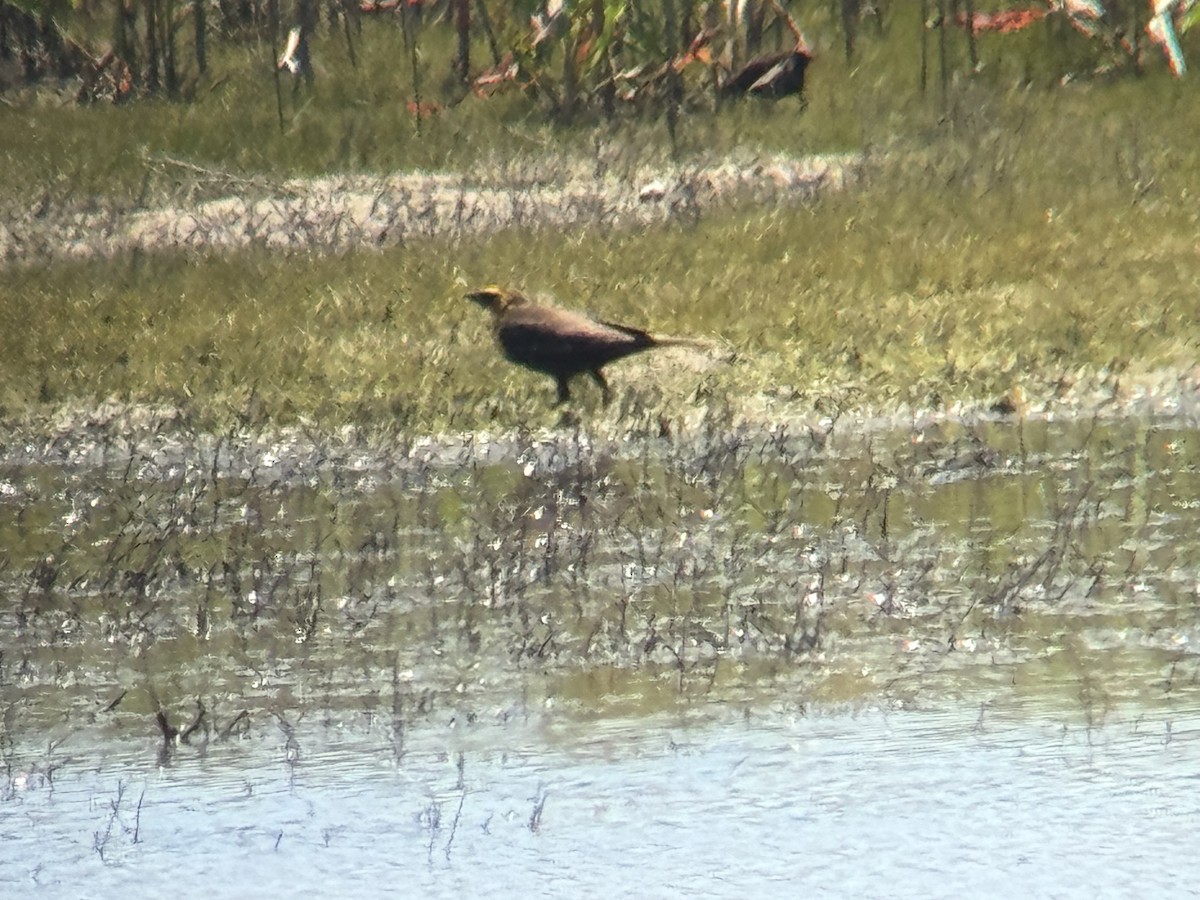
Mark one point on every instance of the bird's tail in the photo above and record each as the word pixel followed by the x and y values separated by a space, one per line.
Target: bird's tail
pixel 708 347
pixel 694 343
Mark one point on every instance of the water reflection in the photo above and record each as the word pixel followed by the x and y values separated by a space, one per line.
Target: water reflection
pixel 279 631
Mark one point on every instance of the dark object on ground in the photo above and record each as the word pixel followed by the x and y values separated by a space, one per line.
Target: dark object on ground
pixel 772 76
pixel 560 343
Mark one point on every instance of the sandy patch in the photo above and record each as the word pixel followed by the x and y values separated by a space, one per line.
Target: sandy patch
pixel 337 214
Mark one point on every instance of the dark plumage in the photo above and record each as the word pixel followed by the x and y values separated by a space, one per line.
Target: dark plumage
pixel 773 76
pixel 560 343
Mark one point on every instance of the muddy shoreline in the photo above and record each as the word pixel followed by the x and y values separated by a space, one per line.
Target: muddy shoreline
pixel 112 434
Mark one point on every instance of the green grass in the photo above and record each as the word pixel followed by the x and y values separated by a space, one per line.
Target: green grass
pixel 1012 233
pixel 894 292
pixel 355 117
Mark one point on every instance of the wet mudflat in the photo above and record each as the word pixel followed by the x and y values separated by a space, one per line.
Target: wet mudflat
pixel 738 659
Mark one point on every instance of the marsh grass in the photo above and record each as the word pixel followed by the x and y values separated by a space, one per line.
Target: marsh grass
pixel 1010 234
pixel 933 283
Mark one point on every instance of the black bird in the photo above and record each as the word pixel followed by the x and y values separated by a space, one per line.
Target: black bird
pixel 560 343
pixel 772 76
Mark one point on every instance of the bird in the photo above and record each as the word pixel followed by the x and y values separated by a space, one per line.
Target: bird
pixel 773 76
pixel 561 343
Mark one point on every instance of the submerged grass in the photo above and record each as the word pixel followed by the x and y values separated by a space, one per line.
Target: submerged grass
pixel 1010 234
pixel 1000 560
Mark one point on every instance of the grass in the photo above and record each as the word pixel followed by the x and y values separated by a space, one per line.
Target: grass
pixel 1012 233
pixel 863 297
pixel 355 118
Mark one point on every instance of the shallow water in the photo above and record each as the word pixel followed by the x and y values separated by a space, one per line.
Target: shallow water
pixel 903 804
pixel 953 657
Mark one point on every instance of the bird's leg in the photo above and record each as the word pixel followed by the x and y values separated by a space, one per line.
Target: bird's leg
pixel 598 377
pixel 564 392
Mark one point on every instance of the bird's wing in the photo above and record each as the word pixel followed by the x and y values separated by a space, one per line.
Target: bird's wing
pixel 640 336
pixel 553 338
